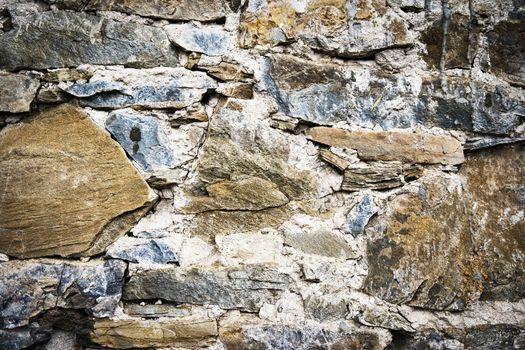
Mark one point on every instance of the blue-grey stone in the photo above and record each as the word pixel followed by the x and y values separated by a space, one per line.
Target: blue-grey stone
pixel 209 40
pixel 143 251
pixel 92 88
pixel 360 215
pixel 143 138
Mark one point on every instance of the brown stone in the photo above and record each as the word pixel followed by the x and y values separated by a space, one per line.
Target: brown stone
pixel 130 334
pixel 392 145
pixel 450 243
pixel 379 176
pixel 507 52
pixel 67 188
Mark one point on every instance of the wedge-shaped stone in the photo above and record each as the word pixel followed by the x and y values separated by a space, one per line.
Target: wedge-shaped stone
pixel 244 288
pixel 132 334
pixel 210 40
pixel 68 189
pixel 31 287
pixel 17 91
pixel 199 10
pixel 392 145
pixel 378 175
pixel 252 193
pixel 68 39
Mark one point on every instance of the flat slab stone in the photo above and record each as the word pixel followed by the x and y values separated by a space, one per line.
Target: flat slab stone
pixel 17 91
pixel 209 40
pixel 68 188
pixel 392 145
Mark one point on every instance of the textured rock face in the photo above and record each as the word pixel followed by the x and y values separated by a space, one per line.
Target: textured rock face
pixel 17 91
pixel 89 194
pixel 445 246
pixel 32 287
pixel 262 174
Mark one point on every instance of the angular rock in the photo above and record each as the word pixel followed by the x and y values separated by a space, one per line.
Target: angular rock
pixel 360 214
pixel 225 71
pixel 378 176
pixel 236 90
pixel 52 94
pixel 162 310
pixel 507 55
pixel 150 88
pixel 453 241
pixel 392 145
pixel 251 193
pixel 257 335
pixel 132 334
pixel 209 40
pixel 22 338
pixel 68 39
pixel 69 189
pixel 182 10
pixel 143 138
pixel 29 288
pixel 67 74
pixel 319 243
pixel 17 91
pixel 140 250
pixel 244 288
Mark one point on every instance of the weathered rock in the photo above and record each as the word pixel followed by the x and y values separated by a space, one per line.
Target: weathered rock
pixel 199 10
pixel 507 55
pixel 140 250
pixel 159 310
pixel 378 176
pixel 392 145
pixel 151 88
pixel 143 138
pixel 23 338
pixel 230 288
pixel 481 337
pixel 360 214
pixel 68 188
pixel 52 94
pixel 319 243
pixel 447 244
pixel 209 40
pixel 225 71
pixel 132 334
pixel 243 335
pixel 68 39
pixel 17 91
pixel 29 288
pixel 236 90
pixel 67 74
pixel 250 248
pixel 251 193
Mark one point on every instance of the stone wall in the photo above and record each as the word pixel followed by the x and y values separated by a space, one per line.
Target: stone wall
pixel 262 174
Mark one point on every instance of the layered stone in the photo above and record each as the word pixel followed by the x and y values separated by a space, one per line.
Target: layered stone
pixel 17 92
pixel 69 188
pixel 209 40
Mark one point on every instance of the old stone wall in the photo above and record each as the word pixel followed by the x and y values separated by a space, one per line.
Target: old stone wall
pixel 262 174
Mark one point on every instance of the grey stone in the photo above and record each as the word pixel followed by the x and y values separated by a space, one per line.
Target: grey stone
pixel 31 287
pixel 52 94
pixel 379 176
pixel 143 138
pixel 246 288
pixel 507 54
pixel 209 40
pixel 360 214
pixel 17 91
pixel 136 250
pixel 68 39
pixel 92 88
pixel 319 243
pixel 388 319
pixel 23 338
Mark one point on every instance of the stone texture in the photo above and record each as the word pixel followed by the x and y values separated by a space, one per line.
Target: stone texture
pixel 392 145
pixel 141 250
pixel 149 88
pixel 70 38
pixel 132 334
pixel 17 91
pixel 319 243
pixel 29 288
pixel 69 189
pixel 229 288
pixel 360 215
pixel 199 10
pixel 507 56
pixel 378 176
pixel 22 338
pixel 444 247
pixel 209 40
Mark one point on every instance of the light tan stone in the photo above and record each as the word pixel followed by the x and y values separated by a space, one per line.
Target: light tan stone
pixel 392 145
pixel 129 334
pixel 66 187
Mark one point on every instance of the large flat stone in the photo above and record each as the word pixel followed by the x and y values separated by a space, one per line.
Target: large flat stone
pixel 209 40
pixel 231 288
pixel 67 39
pixel 30 287
pixel 17 91
pixel 392 145
pixel 456 240
pixel 68 188
pixel 134 333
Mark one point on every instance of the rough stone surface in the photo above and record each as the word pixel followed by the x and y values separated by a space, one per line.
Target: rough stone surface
pixel 209 40
pixel 378 176
pixel 70 38
pixel 360 215
pixel 245 289
pixel 32 287
pixel 88 192
pixel 17 91
pixel 137 250
pixel 445 246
